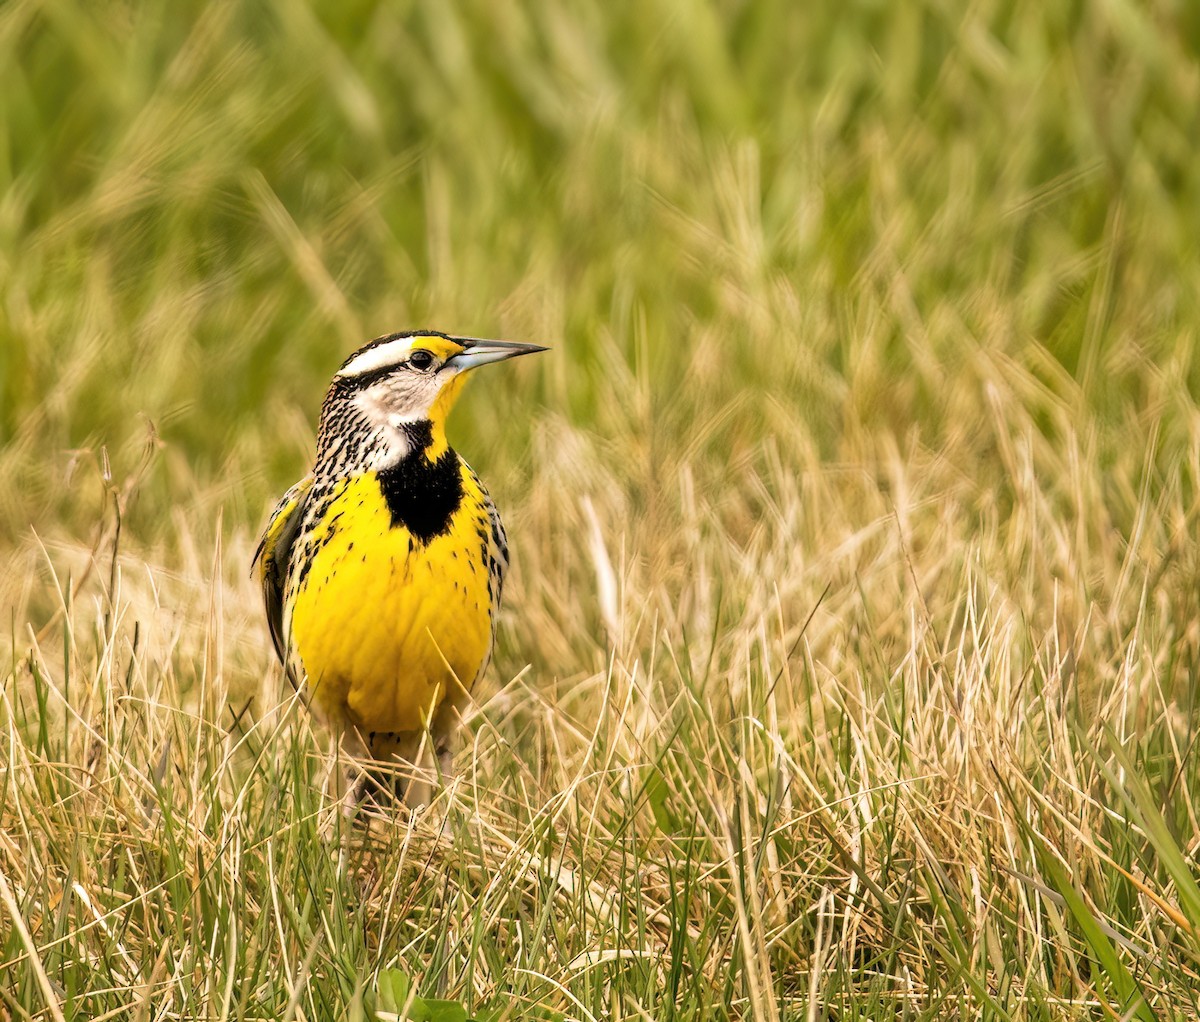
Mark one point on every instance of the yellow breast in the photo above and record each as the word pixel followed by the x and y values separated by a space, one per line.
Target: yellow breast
pixel 391 628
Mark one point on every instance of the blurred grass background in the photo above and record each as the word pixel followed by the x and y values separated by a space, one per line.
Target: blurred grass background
pixel 887 309
pixel 206 205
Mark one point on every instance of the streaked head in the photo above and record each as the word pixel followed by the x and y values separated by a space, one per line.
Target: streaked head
pixel 412 377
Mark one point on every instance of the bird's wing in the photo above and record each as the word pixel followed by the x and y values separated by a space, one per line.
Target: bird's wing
pixel 497 555
pixel 272 556
pixel 495 552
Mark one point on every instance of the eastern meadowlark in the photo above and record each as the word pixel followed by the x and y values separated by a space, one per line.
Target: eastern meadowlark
pixel 382 569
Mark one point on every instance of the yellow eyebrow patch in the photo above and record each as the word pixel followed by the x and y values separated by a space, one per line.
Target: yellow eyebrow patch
pixel 441 347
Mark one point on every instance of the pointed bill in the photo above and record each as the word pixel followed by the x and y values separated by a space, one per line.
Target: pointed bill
pixel 480 352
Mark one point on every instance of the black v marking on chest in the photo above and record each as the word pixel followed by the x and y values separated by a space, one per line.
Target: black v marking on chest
pixel 422 495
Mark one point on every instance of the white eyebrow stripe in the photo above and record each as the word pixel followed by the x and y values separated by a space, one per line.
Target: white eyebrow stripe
pixel 391 353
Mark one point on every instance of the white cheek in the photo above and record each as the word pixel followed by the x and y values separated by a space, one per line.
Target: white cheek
pixel 374 411
pixel 392 406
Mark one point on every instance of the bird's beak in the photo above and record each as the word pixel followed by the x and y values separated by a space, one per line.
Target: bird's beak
pixel 480 352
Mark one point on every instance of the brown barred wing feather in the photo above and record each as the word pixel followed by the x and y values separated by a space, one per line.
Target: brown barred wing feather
pixel 495 557
pixel 272 557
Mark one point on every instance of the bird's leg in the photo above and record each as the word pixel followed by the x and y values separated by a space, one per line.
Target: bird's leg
pixel 344 784
pixel 351 751
pixel 445 727
pixel 355 786
pixel 445 761
pixel 397 774
pixel 421 784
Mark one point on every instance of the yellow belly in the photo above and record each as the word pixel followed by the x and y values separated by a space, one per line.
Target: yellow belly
pixel 391 630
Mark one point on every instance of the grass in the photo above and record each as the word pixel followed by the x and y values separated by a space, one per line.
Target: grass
pixel 848 667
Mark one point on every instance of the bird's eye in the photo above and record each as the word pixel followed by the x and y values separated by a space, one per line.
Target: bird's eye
pixel 420 359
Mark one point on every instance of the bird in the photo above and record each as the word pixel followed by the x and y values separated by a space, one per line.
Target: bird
pixel 383 568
